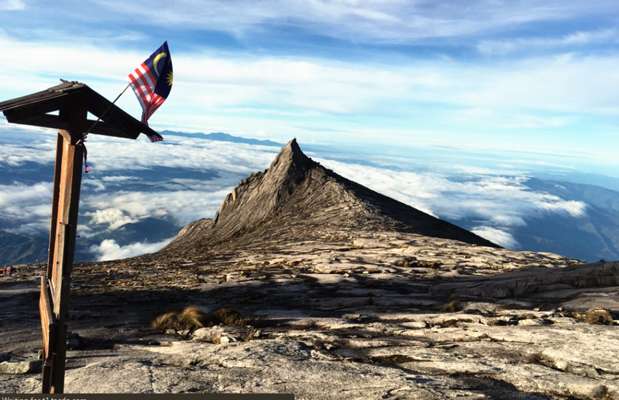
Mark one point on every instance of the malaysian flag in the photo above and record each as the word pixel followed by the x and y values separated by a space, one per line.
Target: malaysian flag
pixel 151 82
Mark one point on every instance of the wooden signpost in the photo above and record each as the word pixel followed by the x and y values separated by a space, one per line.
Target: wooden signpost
pixel 66 107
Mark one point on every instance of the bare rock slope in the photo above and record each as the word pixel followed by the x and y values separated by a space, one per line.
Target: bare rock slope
pixel 330 291
pixel 297 198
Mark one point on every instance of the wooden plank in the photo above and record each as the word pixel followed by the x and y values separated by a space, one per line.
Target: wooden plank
pixel 66 226
pixel 33 110
pixel 51 121
pixel 47 318
pixel 55 194
pixel 48 333
pixel 110 113
pixel 53 92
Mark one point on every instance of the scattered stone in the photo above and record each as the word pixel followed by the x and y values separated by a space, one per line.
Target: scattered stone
pixel 20 367
pixel 415 324
pixel 486 309
pixel 530 322
pixel 209 335
pixel 224 340
pixel 505 321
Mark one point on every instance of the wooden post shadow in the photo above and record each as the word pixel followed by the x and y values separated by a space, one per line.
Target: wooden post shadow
pixel 71 101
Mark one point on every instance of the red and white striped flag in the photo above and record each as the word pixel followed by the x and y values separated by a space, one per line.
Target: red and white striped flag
pixel 151 82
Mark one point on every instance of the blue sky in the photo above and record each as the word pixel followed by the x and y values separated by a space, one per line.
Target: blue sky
pixel 480 75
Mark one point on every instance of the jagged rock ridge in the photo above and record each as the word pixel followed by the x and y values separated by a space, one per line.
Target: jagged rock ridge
pixel 297 198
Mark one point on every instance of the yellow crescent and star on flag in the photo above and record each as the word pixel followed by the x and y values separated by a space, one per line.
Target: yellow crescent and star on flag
pixel 169 78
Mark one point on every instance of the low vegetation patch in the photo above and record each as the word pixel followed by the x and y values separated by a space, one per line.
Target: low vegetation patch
pixel 228 317
pixel 596 316
pixel 452 306
pixel 191 318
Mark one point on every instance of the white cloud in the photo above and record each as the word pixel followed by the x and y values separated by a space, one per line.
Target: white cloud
pixel 96 184
pixel 12 5
pixel 218 91
pixel 579 38
pixel 502 202
pixel 117 178
pixel 26 206
pixel 18 195
pixel 500 237
pixel 176 152
pixel 110 250
pixel 41 152
pixel 377 21
pixel 280 97
pixel 184 205
pixel 573 208
pixel 112 217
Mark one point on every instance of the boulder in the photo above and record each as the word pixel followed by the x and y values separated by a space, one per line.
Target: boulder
pixel 20 367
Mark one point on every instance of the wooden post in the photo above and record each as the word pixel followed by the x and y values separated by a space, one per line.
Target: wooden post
pixel 73 101
pixel 66 196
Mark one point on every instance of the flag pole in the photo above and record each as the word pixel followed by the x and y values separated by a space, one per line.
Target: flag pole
pixel 82 141
pixel 109 108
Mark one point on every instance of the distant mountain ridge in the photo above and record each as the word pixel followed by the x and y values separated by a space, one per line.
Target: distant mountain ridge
pixel 592 236
pixel 223 137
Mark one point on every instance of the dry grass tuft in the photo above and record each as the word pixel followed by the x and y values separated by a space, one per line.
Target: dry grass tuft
pixel 597 316
pixel 452 306
pixel 228 317
pixel 190 318
pixel 250 334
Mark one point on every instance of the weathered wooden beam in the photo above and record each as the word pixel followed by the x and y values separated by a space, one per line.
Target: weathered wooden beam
pixel 48 333
pixel 68 176
pixel 66 225
pixel 47 318
pixel 55 194
pixel 62 264
pixel 52 121
pixel 33 110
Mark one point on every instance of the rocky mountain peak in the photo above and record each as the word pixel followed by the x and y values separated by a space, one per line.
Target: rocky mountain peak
pixel 290 164
pixel 291 153
pixel 297 197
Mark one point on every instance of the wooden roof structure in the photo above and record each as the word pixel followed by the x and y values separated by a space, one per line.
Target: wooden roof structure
pixel 40 109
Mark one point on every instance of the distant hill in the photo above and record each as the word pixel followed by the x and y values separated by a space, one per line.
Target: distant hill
pixel 589 237
pixel 20 249
pixel 223 137
pixel 593 236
